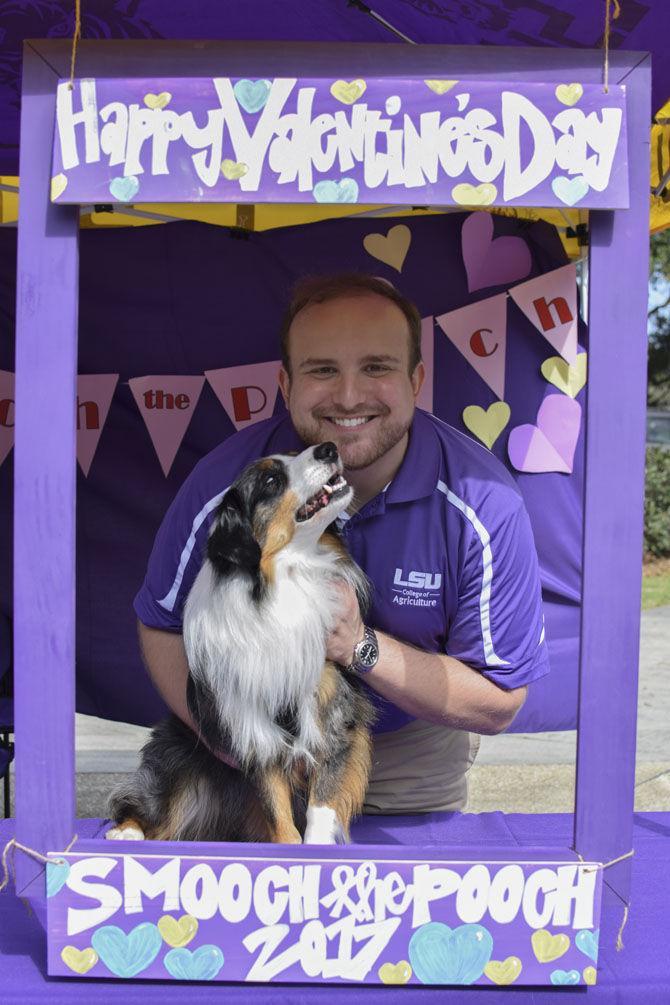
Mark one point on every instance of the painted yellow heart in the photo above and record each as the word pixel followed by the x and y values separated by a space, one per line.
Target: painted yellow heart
pixel 233 169
pixel 567 377
pixel 392 248
pixel 487 425
pixel 440 86
pixel 348 91
pixel 58 186
pixel 395 973
pixel 161 100
pixel 177 933
pixel 503 971
pixel 548 947
pixel 589 974
pixel 569 94
pixel 79 960
pixel 474 195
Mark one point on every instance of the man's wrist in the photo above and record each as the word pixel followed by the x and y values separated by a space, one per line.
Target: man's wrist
pixel 366 652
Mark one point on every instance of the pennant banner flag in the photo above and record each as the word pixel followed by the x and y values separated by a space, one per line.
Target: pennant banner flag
pixel 425 398
pixel 94 396
pixel 550 303
pixel 166 404
pixel 6 413
pixel 479 332
pixel 248 393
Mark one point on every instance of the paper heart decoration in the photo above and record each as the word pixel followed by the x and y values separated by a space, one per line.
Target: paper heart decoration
pixel 503 971
pixel 441 86
pixel 550 445
pixel 57 874
pixel 348 92
pixel 252 95
pixel 567 377
pixel 128 955
pixel 474 195
pixel 570 190
pixel 489 261
pixel 548 947
pixel 395 973
pixel 569 94
pixel 177 933
pixel 161 100
pixel 590 975
pixel 124 189
pixel 232 170
pixel 564 977
pixel 441 955
pixel 392 248
pixel 587 942
pixel 79 960
pixel 203 964
pixel 58 185
pixel 345 190
pixel 487 425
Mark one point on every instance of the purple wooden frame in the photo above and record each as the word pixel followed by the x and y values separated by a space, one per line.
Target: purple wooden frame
pixel 46 365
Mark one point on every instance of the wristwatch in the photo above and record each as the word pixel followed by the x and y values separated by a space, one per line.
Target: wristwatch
pixel 366 653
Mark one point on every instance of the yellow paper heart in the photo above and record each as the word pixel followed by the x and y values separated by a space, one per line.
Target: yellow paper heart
pixel 548 947
pixel 233 169
pixel 487 425
pixel 58 186
pixel 589 974
pixel 441 86
pixel 569 94
pixel 79 960
pixel 177 933
pixel 392 248
pixel 161 100
pixel 395 973
pixel 503 971
pixel 567 377
pixel 348 92
pixel 474 195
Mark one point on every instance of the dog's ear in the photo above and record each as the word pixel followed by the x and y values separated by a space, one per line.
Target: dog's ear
pixel 232 546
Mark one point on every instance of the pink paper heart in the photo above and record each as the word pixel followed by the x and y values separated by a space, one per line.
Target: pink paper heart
pixel 491 262
pixel 550 445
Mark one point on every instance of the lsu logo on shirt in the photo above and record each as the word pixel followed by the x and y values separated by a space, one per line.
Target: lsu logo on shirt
pixel 416 589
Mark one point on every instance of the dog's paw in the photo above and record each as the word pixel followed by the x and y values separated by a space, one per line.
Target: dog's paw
pixel 125 834
pixel 323 826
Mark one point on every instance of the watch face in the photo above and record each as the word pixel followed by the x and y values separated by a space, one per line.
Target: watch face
pixel 367 654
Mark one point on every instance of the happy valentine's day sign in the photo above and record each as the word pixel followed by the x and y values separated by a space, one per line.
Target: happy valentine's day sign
pixel 323 919
pixel 439 142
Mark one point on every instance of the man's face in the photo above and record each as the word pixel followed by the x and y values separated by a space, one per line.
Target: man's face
pixel 350 380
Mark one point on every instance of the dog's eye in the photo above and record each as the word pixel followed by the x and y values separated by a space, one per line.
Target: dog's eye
pixel 270 480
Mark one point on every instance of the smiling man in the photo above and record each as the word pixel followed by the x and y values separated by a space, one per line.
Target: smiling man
pixel 455 630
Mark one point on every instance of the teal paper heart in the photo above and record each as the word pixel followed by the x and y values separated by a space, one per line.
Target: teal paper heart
pixel 345 190
pixel 587 943
pixel 570 190
pixel 441 955
pixel 564 977
pixel 57 874
pixel 252 95
pixel 124 189
pixel 127 955
pixel 203 964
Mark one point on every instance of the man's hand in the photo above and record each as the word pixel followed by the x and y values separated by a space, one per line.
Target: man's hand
pixel 348 629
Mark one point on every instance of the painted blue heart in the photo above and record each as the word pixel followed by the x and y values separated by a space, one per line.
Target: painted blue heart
pixel 564 977
pixel 124 189
pixel 587 943
pixel 127 955
pixel 345 190
pixel 57 874
pixel 570 190
pixel 203 964
pixel 441 955
pixel 252 95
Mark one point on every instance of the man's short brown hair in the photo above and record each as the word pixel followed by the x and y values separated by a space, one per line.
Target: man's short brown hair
pixel 319 289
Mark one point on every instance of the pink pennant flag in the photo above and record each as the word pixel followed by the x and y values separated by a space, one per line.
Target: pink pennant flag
pixel 166 404
pixel 550 302
pixel 479 332
pixel 94 396
pixel 425 398
pixel 248 393
pixel 6 413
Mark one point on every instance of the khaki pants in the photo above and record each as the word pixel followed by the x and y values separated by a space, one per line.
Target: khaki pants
pixel 420 768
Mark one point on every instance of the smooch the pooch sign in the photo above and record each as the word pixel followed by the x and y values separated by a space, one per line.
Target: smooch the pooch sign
pixel 270 917
pixel 388 140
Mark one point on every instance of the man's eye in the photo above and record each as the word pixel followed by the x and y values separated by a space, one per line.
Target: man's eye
pixel 322 371
pixel 376 368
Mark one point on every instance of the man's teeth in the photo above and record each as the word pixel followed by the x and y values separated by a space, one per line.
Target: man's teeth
pixel 352 422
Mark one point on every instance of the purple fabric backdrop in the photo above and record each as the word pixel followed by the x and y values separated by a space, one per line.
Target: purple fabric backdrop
pixel 185 298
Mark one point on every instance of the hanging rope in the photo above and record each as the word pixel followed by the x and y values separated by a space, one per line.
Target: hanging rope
pixel 75 39
pixel 608 17
pixel 8 866
pixel 626 906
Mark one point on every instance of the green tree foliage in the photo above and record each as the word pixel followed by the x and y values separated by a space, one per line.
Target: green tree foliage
pixel 657 503
pixel 658 386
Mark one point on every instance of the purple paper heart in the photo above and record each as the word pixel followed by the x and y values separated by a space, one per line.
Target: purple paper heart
pixel 550 445
pixel 490 262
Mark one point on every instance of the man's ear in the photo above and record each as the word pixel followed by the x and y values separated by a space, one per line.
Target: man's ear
pixel 418 378
pixel 232 546
pixel 284 384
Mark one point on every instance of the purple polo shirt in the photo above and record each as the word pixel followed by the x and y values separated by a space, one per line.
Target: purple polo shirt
pixel 448 546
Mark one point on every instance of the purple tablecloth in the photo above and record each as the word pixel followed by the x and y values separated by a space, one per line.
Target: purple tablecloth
pixel 639 973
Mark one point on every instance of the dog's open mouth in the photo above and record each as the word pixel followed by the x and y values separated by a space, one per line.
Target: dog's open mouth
pixel 334 488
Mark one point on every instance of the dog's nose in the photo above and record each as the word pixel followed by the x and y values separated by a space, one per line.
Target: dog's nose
pixel 325 452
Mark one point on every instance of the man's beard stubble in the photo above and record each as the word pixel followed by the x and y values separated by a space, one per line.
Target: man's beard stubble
pixel 386 438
